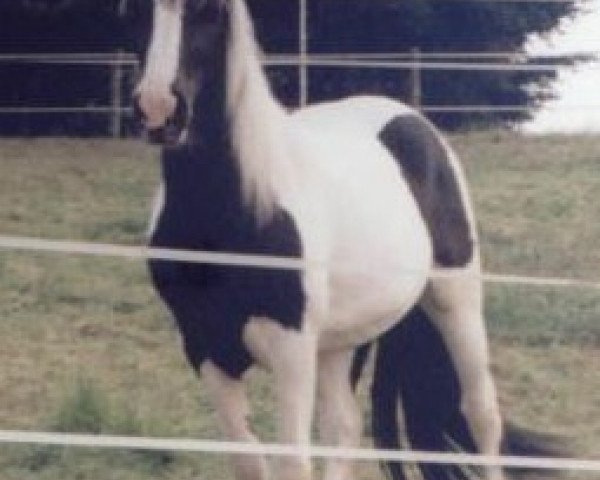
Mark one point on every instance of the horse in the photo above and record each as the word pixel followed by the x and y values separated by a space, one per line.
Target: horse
pixel 364 189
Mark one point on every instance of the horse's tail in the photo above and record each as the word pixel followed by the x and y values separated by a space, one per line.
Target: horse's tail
pixel 413 367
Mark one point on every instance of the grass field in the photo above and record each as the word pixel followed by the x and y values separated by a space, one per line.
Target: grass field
pixel 85 345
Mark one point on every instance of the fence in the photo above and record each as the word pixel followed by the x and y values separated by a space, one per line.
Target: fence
pixel 125 66
pixel 273 450
pixel 415 62
pixel 117 62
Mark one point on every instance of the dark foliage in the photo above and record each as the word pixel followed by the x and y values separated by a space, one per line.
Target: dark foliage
pixel 334 26
pixel 432 26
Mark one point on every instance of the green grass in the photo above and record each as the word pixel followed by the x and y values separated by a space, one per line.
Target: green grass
pixel 86 345
pixel 92 189
pixel 536 201
pixel 85 409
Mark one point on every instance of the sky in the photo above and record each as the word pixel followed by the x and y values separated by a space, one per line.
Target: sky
pixel 576 88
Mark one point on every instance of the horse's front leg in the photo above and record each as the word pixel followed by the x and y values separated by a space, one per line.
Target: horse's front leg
pixel 228 396
pixel 339 415
pixel 291 356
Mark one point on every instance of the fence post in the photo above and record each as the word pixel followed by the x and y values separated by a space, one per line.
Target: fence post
pixel 416 92
pixel 117 96
pixel 303 51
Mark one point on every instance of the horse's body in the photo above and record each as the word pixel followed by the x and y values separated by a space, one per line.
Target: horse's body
pixel 333 214
pixel 365 190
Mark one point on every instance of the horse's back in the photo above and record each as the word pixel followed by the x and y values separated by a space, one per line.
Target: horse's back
pixel 427 163
pixel 368 114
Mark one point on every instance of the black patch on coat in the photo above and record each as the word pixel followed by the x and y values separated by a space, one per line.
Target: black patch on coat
pixel 212 304
pixel 425 164
pixel 204 210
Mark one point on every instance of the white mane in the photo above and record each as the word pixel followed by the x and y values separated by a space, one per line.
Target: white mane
pixel 256 117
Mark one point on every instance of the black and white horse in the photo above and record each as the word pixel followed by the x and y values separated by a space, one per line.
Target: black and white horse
pixel 366 189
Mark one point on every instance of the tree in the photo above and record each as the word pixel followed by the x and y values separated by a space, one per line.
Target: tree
pixel 334 26
pixel 55 26
pixel 431 26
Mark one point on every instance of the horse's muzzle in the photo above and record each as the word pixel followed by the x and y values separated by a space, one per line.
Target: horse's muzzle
pixel 171 131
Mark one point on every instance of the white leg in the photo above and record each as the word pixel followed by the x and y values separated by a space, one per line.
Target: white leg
pixel 339 416
pixel 230 401
pixel 455 306
pixel 291 357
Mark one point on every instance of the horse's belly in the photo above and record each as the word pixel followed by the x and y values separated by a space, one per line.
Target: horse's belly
pixel 376 278
pixel 361 311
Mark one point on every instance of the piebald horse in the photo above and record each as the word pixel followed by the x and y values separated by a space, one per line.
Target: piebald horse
pixel 366 190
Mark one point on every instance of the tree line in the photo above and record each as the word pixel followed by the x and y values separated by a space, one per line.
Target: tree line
pixel 335 26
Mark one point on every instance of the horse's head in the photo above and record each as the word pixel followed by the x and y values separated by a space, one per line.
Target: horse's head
pixel 184 45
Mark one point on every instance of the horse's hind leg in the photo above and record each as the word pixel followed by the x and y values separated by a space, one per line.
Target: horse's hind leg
pixel 339 416
pixel 455 306
pixel 229 398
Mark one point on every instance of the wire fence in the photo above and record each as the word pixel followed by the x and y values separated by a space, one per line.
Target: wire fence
pixel 282 450
pixel 124 67
pixel 272 450
pixel 123 64
pixel 232 259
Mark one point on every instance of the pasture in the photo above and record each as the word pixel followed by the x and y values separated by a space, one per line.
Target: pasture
pixel 85 345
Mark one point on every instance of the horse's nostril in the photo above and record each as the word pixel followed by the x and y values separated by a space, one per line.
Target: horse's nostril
pixel 163 119
pixel 154 105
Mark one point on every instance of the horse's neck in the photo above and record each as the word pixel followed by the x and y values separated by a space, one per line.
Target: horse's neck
pixel 236 122
pixel 256 118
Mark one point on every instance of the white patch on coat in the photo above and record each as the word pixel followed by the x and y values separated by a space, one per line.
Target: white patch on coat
pixel 156 98
pixel 339 415
pixel 257 119
pixel 455 306
pixel 158 203
pixel 229 398
pixel 357 217
pixel 291 356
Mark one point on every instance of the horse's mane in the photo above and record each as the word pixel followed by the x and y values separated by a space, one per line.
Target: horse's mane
pixel 256 117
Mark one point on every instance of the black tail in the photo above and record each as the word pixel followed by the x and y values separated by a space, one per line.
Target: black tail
pixel 521 441
pixel 412 366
